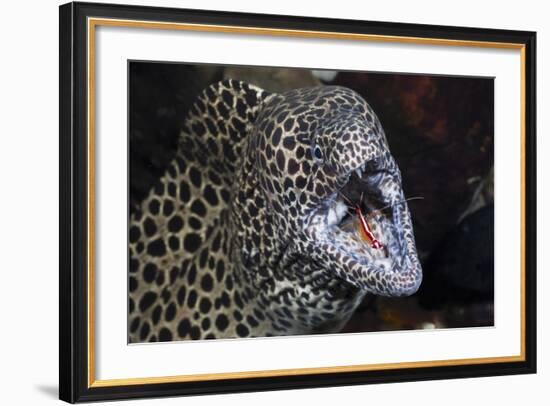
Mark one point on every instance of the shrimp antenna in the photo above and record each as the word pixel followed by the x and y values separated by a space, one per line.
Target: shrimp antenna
pixel 400 202
pixel 345 198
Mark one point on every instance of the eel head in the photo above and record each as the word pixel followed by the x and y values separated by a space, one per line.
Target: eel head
pixel 324 163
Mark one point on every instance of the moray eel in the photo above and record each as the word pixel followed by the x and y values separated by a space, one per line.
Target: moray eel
pixel 248 233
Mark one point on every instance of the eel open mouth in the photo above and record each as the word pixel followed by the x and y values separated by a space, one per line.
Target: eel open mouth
pixel 334 240
pixel 337 224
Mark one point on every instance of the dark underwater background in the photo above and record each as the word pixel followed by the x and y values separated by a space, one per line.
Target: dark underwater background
pixel 440 131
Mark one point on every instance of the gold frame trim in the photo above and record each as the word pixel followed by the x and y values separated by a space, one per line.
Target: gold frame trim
pixel 94 22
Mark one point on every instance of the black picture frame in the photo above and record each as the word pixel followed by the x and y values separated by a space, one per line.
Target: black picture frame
pixel 74 379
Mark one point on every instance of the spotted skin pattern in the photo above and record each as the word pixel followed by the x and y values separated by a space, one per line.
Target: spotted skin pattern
pixel 245 233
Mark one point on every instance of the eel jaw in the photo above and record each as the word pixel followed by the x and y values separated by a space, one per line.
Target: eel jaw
pixel 334 239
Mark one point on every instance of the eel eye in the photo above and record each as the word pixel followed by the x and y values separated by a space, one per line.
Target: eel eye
pixel 317 153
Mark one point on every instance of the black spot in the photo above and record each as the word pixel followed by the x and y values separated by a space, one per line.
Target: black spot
pixel 207 283
pixel 252 321
pixel 205 305
pixel 285 323
pixel 203 258
pixel 242 330
pixel 198 207
pixel 192 242
pixel 168 207
pixel 195 223
pixel 134 325
pixel 269 128
pixel 195 176
pixel 134 265
pixel 145 330
pixel 214 178
pixel 281 160
pixel 132 284
pixel 172 189
pixel 301 182
pixel 174 243
pixel 156 314
pixel 238 124
pixel 175 224
pixel 195 333
pixel 289 123
pixel 238 316
pixel 245 219
pixel 181 295
pixel 134 234
pixel 211 126
pixel 241 108
pixel 221 322
pixel 222 110
pixel 183 328
pixel 185 194
pixel 293 166
pixel 225 195
pixel 281 117
pixel 227 98
pixel 238 300
pixel 300 152
pixel 147 300
pixel 212 111
pixel 166 295
pixel 149 227
pixel 210 195
pixel 259 314
pixel 165 335
pixel 192 275
pixel 277 207
pixel 154 206
pixel 149 272
pixel 289 142
pixel 220 269
pixel 319 190
pixel 276 138
pixel 198 128
pixel 170 312
pixel 205 323
pixel 306 168
pixel 181 165
pixel 251 98
pixel 212 146
pixel 156 248
pixel 173 274
pixel 192 299
pixel 288 184
pixel 287 312
pixel 225 300
pixel 131 305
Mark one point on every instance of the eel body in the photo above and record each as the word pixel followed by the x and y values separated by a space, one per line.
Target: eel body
pixel 249 234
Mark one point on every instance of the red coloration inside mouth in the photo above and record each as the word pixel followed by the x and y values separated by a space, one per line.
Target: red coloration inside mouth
pixel 365 230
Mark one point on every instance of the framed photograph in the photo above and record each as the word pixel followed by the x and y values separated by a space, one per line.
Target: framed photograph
pixel 253 202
